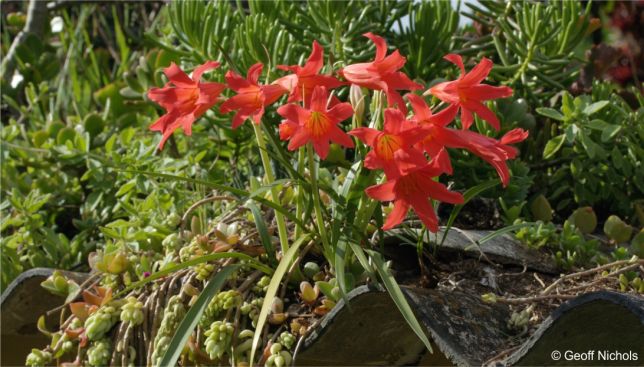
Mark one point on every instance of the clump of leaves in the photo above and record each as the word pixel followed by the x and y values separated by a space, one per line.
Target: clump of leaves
pixel 568 245
pixel 595 153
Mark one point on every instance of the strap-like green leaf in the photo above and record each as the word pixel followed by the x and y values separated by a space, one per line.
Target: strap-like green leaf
pixel 262 229
pixel 399 298
pixel 271 292
pixel 191 319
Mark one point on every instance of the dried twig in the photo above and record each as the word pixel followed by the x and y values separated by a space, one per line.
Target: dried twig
pixel 588 272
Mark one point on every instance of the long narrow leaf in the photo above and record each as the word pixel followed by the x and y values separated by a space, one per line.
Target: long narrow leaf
pixel 231 190
pixel 273 287
pixel 262 229
pixel 399 298
pixel 467 196
pixel 201 259
pixel 191 319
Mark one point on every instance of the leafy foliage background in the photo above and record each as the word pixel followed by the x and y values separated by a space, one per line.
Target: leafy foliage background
pixel 74 130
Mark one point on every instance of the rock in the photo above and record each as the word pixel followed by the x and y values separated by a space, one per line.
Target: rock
pixel 503 249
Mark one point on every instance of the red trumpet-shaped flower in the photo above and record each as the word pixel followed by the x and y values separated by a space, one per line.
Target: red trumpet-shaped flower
pixel 437 137
pixel 305 78
pixel 392 149
pixel 317 125
pixel 382 73
pixel 251 97
pixel 468 93
pixel 185 99
pixel 414 190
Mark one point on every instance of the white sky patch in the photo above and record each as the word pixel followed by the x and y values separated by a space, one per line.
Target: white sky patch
pixel 16 79
pixel 462 20
pixel 56 24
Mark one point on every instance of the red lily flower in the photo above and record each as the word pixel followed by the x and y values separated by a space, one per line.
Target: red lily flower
pixel 382 73
pixel 468 93
pixel 437 137
pixel 414 190
pixel 307 77
pixel 392 149
pixel 317 125
pixel 251 97
pixel 185 99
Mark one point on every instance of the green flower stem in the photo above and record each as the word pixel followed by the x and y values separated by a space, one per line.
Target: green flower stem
pixel 299 208
pixel 316 199
pixel 270 178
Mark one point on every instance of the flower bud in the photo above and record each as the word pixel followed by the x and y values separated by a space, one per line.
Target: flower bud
pixel 356 97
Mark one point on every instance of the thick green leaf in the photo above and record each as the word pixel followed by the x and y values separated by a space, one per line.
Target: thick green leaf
pixel 595 107
pixel 191 319
pixel 610 131
pixel 553 146
pixel 550 113
pixel 271 292
pixel 399 298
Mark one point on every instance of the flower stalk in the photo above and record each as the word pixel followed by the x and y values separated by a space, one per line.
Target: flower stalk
pixel 270 179
pixel 317 205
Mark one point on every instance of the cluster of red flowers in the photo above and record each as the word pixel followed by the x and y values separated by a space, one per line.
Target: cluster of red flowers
pixel 401 149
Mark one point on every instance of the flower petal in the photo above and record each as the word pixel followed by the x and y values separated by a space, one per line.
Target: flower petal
pixel 319 99
pixel 299 138
pixel 397 215
pixel 272 93
pixel 439 192
pixel 483 112
pixel 478 73
pixel 391 63
pixel 382 192
pixel 290 112
pixel 445 116
pixel 321 148
pixel 340 137
pixel 514 136
pixel 426 213
pixel 287 129
pixel 199 70
pixel 422 112
pixel 366 134
pixel 456 60
pixel 340 112
pixel 395 100
pixel 177 76
pixel 466 118
pixel 381 45
pixel 314 62
pixel 236 82
pixel 209 93
pixel 484 92
pixel 254 72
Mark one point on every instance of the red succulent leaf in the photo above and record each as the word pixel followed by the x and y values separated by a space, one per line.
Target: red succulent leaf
pixel 80 310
